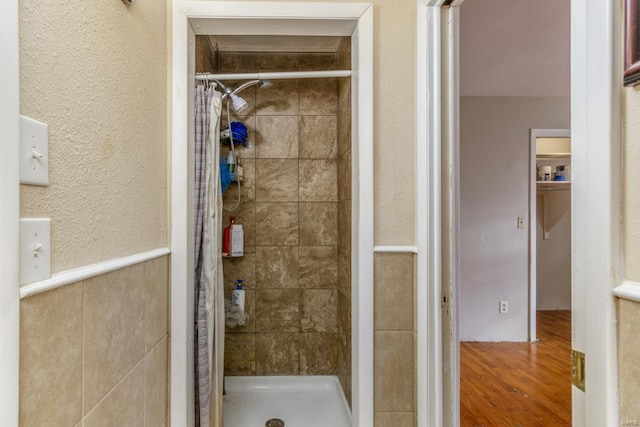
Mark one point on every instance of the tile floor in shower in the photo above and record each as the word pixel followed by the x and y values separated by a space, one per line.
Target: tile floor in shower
pixel 300 401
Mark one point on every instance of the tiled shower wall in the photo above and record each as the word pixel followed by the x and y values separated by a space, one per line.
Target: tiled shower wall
pixel 94 353
pixel 290 214
pixel 344 220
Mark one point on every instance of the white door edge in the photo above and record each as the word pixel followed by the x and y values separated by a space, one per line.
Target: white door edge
pixel 362 125
pixel 9 213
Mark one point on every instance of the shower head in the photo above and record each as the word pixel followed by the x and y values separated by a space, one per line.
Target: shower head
pixel 240 104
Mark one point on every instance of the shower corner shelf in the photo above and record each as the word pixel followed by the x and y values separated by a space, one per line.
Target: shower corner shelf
pixel 227 255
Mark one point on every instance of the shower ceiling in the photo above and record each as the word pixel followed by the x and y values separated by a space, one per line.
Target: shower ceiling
pixel 261 43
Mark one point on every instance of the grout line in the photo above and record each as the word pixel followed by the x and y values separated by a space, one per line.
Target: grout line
pixel 124 377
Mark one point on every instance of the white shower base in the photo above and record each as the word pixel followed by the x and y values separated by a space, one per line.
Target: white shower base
pixel 300 401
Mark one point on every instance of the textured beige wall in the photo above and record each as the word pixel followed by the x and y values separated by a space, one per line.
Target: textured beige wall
pixel 96 73
pixel 631 182
pixel 629 311
pixel 394 120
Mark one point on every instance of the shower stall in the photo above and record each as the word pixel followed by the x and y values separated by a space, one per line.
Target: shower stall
pixel 305 203
pixel 291 192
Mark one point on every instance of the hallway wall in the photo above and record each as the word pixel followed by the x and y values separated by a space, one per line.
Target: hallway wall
pixel 96 73
pixel 629 311
pixel 494 191
pixel 96 350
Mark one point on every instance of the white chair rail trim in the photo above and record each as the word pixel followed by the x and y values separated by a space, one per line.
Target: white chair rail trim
pixel 77 274
pixel 629 290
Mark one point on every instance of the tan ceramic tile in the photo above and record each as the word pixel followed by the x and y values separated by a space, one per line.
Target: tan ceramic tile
pixel 277 354
pixel 243 267
pixel 344 271
pixel 344 54
pixel 204 56
pixel 318 96
pixel 277 180
pixel 393 292
pixel 280 99
pixel 156 384
pixel 318 181
pixel 247 185
pixel 276 267
pixel 250 309
pixel 248 152
pixel 114 338
pixel 318 266
pixel 239 354
pixel 236 62
pixel 51 357
pixel 393 371
pixel 344 224
pixel 156 300
pixel 318 137
pixel 268 61
pixel 246 215
pixel 318 310
pixel 317 61
pixel 394 419
pixel 318 224
pixel 344 114
pixel 241 368
pixel 277 224
pixel 628 350
pixel 124 405
pixel 344 176
pixel 277 137
pixel 344 344
pixel 278 310
pixel 318 354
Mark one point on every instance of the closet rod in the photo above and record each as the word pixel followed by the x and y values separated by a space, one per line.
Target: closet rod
pixel 275 75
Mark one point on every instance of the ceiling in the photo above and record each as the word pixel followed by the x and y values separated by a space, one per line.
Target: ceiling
pixel 515 48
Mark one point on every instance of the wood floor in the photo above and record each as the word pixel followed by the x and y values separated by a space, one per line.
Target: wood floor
pixel 519 384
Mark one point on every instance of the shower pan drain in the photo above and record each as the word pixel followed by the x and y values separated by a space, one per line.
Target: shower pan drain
pixel 274 422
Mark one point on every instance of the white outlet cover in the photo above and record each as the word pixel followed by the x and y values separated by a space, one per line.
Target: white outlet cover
pixel 35 249
pixel 34 152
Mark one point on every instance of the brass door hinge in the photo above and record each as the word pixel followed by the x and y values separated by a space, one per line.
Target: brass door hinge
pixel 577 369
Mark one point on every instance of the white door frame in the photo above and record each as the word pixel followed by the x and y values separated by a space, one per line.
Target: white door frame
pixel 9 213
pixel 282 19
pixel 533 220
pixel 596 205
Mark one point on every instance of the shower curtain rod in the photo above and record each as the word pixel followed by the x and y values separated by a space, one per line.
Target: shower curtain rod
pixel 275 75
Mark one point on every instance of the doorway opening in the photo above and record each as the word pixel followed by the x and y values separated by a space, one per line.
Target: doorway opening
pixel 501 100
pixel 354 20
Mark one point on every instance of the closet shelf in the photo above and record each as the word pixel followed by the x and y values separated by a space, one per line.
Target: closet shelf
pixel 553 185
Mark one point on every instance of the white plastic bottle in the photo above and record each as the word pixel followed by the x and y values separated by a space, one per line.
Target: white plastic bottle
pixel 231 162
pixel 237 297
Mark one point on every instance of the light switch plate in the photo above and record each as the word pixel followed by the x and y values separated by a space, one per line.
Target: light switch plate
pixel 521 222
pixel 35 249
pixel 34 152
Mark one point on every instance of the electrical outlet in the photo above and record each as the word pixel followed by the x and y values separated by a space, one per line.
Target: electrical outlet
pixel 504 307
pixel 521 221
